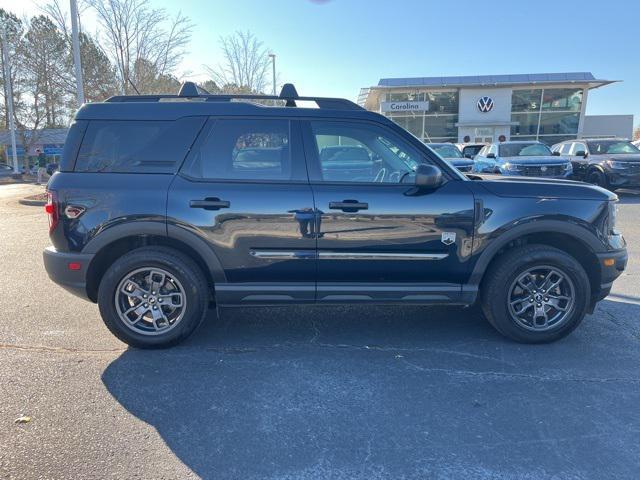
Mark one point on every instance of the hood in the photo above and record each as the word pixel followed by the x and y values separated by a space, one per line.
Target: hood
pixel 514 186
pixel 460 162
pixel 541 160
pixel 620 157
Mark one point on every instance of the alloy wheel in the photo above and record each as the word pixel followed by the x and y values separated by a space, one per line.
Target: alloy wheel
pixel 541 298
pixel 150 301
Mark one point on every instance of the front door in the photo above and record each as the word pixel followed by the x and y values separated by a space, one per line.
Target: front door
pixel 379 238
pixel 244 190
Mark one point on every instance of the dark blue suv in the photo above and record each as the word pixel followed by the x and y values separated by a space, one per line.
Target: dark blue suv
pixel 166 206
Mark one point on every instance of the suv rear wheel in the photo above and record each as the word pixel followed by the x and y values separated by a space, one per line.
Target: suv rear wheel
pixel 153 297
pixel 535 294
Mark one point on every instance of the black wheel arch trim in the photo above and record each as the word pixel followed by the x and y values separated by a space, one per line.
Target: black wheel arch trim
pixel 160 229
pixel 201 247
pixel 575 231
pixel 595 167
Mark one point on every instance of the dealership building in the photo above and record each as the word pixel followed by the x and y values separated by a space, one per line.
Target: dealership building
pixel 549 107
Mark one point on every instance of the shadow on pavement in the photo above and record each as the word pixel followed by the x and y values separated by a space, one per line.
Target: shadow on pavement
pixel 628 196
pixel 388 392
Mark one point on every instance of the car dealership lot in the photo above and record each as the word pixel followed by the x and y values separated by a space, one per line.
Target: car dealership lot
pixel 310 392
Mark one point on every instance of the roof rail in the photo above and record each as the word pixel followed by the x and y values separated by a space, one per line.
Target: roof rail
pixel 190 91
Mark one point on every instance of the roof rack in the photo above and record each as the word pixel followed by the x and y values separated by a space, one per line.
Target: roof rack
pixel 190 91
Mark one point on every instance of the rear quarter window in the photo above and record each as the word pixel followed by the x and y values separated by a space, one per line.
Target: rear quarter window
pixel 133 146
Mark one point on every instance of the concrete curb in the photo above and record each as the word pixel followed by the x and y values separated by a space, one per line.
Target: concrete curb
pixel 32 203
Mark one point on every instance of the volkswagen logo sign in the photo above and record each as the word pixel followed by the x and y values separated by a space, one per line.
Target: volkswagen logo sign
pixel 485 104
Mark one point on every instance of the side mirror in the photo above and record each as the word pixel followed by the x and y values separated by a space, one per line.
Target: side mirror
pixel 428 176
pixel 581 153
pixel 556 153
pixel 491 155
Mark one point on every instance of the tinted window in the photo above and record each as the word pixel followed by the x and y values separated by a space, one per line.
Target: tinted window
pixel 244 149
pixel 612 147
pixel 472 150
pixel 578 147
pixel 565 148
pixel 524 150
pixel 136 146
pixel 447 151
pixel 352 152
pixel 72 145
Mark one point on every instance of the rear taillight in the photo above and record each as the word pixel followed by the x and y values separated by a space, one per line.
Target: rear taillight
pixel 51 208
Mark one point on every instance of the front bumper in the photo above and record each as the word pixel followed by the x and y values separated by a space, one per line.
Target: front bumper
pixel 612 264
pixel 621 179
pixel 57 264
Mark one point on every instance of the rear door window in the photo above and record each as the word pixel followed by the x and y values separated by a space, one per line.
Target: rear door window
pixel 246 149
pixel 132 146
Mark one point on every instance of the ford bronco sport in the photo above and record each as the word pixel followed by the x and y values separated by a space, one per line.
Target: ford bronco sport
pixel 165 206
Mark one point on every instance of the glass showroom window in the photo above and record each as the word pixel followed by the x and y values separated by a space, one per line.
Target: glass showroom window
pixel 412 122
pixel 561 100
pixel 527 124
pixel 546 114
pixel 435 125
pixel 526 100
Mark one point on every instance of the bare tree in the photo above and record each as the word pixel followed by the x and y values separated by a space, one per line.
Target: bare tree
pixel 136 34
pixel 246 64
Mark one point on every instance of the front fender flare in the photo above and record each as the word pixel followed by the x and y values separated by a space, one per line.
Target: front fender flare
pixel 576 231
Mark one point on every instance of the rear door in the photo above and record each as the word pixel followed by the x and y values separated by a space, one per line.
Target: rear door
pixel 244 190
pixel 379 238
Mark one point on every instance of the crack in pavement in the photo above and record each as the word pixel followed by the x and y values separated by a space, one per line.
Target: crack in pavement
pixel 515 375
pixel 44 348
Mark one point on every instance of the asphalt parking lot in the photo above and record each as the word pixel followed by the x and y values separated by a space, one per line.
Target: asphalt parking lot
pixel 310 392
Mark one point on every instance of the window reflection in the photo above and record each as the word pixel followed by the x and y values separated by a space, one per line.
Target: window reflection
pixel 546 114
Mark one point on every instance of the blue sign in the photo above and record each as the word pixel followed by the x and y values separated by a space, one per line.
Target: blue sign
pixel 52 149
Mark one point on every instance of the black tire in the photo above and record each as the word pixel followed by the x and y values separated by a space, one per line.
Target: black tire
pixel 596 177
pixel 497 282
pixel 182 268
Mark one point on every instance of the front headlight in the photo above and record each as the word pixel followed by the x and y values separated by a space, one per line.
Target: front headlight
pixel 617 165
pixel 510 167
pixel 568 167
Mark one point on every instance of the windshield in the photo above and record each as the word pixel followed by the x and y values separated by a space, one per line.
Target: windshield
pixel 524 150
pixel 600 147
pixel 446 151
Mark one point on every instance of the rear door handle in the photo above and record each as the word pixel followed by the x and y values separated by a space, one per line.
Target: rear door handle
pixel 210 204
pixel 348 205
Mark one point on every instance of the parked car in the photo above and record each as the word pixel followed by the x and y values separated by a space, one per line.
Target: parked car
pixel 608 163
pixel 523 158
pixel 5 170
pixel 165 208
pixel 452 154
pixel 470 150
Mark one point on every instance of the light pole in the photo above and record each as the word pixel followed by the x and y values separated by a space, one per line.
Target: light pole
pixel 75 40
pixel 272 56
pixel 9 90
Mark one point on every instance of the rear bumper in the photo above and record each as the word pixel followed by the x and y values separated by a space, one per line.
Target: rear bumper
pixel 57 266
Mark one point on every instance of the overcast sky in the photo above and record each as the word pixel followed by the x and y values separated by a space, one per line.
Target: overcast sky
pixel 335 47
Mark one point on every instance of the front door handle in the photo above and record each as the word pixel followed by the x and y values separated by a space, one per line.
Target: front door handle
pixel 213 203
pixel 349 206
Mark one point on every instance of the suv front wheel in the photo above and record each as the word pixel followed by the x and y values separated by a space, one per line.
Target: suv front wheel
pixel 535 294
pixel 153 297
